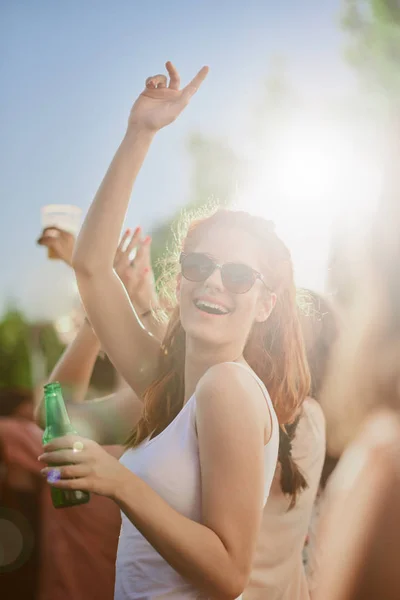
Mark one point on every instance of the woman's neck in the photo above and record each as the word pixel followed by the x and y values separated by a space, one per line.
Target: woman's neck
pixel 200 357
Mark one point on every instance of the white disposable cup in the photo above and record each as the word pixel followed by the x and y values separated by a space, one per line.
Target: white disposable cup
pixel 63 216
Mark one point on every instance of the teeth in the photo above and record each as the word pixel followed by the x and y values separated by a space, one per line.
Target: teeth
pixel 210 305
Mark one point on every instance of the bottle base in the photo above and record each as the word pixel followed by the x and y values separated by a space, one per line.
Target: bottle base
pixel 69 498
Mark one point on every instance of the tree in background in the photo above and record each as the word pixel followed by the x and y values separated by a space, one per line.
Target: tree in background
pixel 364 373
pixel 278 100
pixel 15 362
pixel 373 29
pixel 28 352
pixel 217 170
pixel 216 173
pixel 46 348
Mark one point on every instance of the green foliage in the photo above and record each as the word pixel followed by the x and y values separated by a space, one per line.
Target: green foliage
pixel 50 345
pixel 15 364
pixel 217 170
pixel 277 101
pixel 216 174
pixel 20 343
pixel 373 28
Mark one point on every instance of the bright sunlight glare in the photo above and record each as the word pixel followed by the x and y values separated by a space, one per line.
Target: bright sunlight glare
pixel 313 182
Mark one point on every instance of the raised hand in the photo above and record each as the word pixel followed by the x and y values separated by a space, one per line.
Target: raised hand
pixel 160 104
pixel 136 274
pixel 60 243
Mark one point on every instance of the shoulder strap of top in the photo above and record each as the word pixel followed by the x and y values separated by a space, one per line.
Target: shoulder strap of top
pixel 271 410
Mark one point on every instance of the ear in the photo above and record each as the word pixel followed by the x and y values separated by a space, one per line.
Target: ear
pixel 266 306
pixel 178 287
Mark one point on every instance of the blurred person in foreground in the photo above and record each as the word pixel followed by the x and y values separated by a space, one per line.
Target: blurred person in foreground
pixel 359 534
pixel 21 488
pixel 67 553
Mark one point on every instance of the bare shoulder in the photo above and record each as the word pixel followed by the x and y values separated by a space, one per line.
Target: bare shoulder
pixel 228 377
pixel 312 418
pixel 309 444
pixel 313 408
pixel 229 386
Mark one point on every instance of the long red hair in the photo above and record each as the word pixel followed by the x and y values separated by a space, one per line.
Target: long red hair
pixel 274 349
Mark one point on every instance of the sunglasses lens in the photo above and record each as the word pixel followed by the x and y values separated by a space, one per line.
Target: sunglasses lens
pixel 197 267
pixel 237 279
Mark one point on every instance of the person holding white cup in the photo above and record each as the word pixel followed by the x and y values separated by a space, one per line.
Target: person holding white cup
pixel 57 218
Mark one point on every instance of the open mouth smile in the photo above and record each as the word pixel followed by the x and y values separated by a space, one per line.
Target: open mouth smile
pixel 211 308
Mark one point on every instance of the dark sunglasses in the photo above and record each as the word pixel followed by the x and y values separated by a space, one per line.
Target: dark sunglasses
pixel 237 278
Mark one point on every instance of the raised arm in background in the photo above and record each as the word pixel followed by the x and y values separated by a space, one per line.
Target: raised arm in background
pixel 75 367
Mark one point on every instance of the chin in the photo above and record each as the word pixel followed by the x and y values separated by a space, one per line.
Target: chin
pixel 208 331
pixel 206 336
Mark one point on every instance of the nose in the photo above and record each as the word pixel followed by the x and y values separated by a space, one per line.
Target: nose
pixel 215 280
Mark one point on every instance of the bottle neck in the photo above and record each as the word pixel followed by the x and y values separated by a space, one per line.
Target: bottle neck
pixel 57 419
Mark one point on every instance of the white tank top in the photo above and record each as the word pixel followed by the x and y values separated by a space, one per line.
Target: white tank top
pixel 170 465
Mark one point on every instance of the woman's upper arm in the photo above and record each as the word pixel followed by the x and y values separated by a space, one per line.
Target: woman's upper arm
pixel 108 420
pixel 231 419
pixel 132 350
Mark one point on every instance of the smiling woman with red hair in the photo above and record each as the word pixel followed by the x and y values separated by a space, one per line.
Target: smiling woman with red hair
pixel 201 456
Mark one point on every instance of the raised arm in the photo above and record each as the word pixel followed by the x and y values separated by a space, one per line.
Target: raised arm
pixel 107 420
pixel 106 301
pixel 75 367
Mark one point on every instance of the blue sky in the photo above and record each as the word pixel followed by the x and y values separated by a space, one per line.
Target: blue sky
pixel 70 72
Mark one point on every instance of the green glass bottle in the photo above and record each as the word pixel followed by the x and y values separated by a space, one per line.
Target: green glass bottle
pixel 58 424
